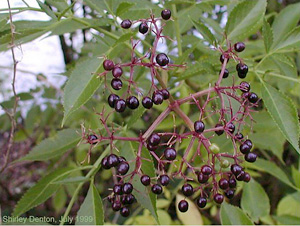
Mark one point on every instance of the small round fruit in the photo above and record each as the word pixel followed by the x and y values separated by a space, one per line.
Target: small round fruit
pixel 108 65
pixel 202 178
pixel 236 169
pixel 116 206
pixel 132 102
pixel 120 105
pixel 166 14
pixel 122 159
pixel 156 189
pixel 125 212
pixel 229 194
pixel 240 176
pixel 222 58
pixel 247 177
pixel 244 148
pixel 225 163
pixel 118 189
pixel 226 73
pixel 165 93
pixel 187 190
pixel 249 143
pixel 127 188
pixel 239 46
pixel 242 70
pixel 126 24
pixel 123 168
pixel 201 202
pixel 245 87
pixel 238 136
pixel 170 154
pixel 157 97
pixel 129 199
pixel 164 180
pixel 218 198
pixel 154 139
pixel 143 28
pixel 104 163
pixel 116 83
pixel 92 139
pixel 199 126
pixel 183 206
pixel 253 98
pixel 206 170
pixel 113 160
pixel 250 157
pixel 223 183
pixel 117 72
pixel 145 180
pixel 112 98
pixel 162 59
pixel 151 147
pixel 219 132
pixel 147 102
pixel 214 148
pixel 232 183
pixel 111 198
pixel 230 127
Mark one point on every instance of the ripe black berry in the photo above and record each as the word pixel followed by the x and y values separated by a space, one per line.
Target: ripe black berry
pixel 125 212
pixel 236 169
pixel 244 148
pixel 162 59
pixel 108 65
pixel 122 159
pixel 116 206
pixel 249 143
pixel 92 139
pixel 164 180
pixel 143 28
pixel 120 105
pixel 250 157
pixel 199 126
pixel 104 163
pixel 240 176
pixel 187 190
pixel 229 194
pixel 206 170
pixel 126 24
pixel 239 136
pixel 223 183
pixel 231 127
pixel 166 14
pixel 219 198
pixel 219 132
pixel 123 168
pixel 165 93
pixel 127 188
pixel 202 178
pixel 117 72
pixel 247 177
pixel 201 202
pixel 253 98
pixel 116 84
pixel 226 73
pixel 222 58
pixel 242 70
pixel 145 180
pixel 111 199
pixel 147 102
pixel 232 183
pixel 156 189
pixel 132 102
pixel 245 87
pixel 239 46
pixel 157 97
pixel 151 147
pixel 112 98
pixel 129 199
pixel 183 206
pixel 118 189
pixel 170 154
pixel 154 139
pixel 113 160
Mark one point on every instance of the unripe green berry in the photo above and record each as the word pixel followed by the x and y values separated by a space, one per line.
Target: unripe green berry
pixel 225 163
pixel 214 148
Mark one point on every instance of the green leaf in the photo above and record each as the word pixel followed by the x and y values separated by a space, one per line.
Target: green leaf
pixel 81 85
pixel 283 112
pixel 72 180
pixel 267 34
pixel 296 176
pixel 47 10
pixel 91 210
pixel 289 205
pixel 59 200
pixel 41 191
pixel 287 220
pixel 255 202
pixel 245 19
pixel 54 146
pixel 204 31
pixel 123 7
pixel 291 40
pixel 285 22
pixel 232 215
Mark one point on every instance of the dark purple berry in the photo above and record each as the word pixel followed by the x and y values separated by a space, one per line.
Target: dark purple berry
pixel 145 180
pixel 236 169
pixel 166 14
pixel 249 143
pixel 129 199
pixel 156 189
pixel 116 206
pixel 219 132
pixel 230 127
pixel 183 206
pixel 170 154
pixel 222 58
pixel 164 180
pixel 239 46
pixel 206 170
pixel 117 72
pixel 223 183
pixel 199 126
pixel 239 136
pixel 244 148
pixel 245 87
pixel 245 95
pixel 202 178
pixel 127 188
pixel 113 160
pixel 187 190
pixel 253 98
pixel 226 73
pixel 116 84
pixel 147 102
pixel 92 139
pixel 240 176
pixel 120 105
pixel 247 177
pixel 125 212
pixel 143 28
pixel 154 139
pixel 201 202
pixel 157 97
pixel 151 147
pixel 122 159
pixel 162 59
pixel 132 102
pixel 165 93
pixel 108 65
pixel 118 189
pixel 104 163
pixel 126 24
pixel 232 183
pixel 111 199
pixel 229 194
pixel 250 157
pixel 123 168
pixel 242 70
pixel 218 198
pixel 112 98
